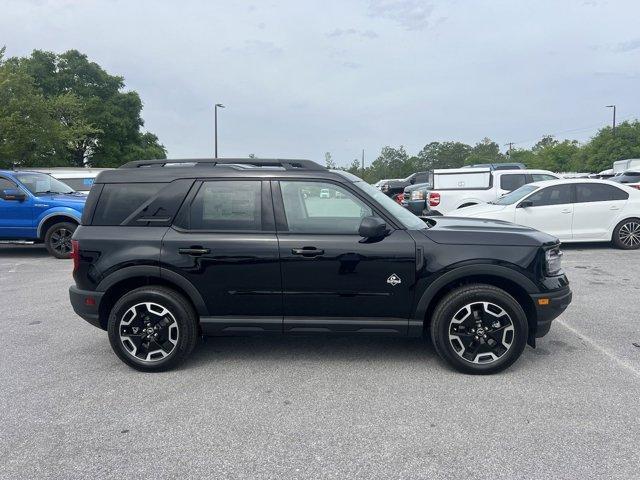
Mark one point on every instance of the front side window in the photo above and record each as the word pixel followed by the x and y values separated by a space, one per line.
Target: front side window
pixel 319 207
pixel 556 195
pixel 512 182
pixel 598 192
pixel 233 205
pixel 41 183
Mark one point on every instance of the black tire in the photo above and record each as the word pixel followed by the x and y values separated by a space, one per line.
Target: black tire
pixel 182 326
pixel 626 235
pixel 58 239
pixel 469 297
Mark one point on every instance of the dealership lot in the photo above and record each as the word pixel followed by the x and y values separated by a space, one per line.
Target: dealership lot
pixel 316 407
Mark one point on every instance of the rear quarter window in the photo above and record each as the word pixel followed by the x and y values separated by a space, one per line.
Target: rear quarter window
pixel 119 200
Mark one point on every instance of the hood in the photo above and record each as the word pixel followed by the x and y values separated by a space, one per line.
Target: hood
pixel 479 231
pixel 477 210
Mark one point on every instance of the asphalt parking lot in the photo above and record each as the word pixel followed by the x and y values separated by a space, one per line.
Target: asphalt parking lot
pixel 316 407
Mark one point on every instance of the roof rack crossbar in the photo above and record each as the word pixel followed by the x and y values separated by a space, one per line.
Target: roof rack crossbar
pixel 258 162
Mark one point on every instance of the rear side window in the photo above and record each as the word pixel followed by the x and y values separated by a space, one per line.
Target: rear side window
pixel 598 192
pixel 512 182
pixel 227 205
pixel 119 200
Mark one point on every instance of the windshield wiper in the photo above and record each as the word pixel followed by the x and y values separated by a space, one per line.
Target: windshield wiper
pixel 48 192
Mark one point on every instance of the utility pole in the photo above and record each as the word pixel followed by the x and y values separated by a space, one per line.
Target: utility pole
pixel 363 163
pixel 510 148
pixel 215 126
pixel 614 117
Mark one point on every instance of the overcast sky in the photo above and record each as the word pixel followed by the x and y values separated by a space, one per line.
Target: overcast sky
pixel 302 77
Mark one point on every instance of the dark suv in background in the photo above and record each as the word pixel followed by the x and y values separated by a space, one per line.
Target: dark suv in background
pixel 170 250
pixel 392 188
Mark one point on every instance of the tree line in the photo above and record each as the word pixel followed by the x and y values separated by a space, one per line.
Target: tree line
pixel 62 110
pixel 596 155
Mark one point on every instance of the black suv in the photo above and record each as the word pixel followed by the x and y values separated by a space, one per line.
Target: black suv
pixel 392 188
pixel 171 250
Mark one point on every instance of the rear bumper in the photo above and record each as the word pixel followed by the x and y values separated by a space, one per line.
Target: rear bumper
pixel 548 307
pixel 86 304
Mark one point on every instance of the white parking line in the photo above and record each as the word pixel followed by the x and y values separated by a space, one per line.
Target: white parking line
pixel 601 349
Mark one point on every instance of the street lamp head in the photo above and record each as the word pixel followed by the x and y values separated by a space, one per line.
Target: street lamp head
pixel 219 105
pixel 610 106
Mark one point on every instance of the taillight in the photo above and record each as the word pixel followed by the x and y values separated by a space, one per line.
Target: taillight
pixel 75 254
pixel 400 197
pixel 636 186
pixel 434 199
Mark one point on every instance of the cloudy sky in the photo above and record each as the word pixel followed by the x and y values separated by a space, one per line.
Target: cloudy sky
pixel 303 77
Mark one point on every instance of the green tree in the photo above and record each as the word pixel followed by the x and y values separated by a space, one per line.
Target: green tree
pixel 96 122
pixel 605 148
pixel 443 155
pixel 485 151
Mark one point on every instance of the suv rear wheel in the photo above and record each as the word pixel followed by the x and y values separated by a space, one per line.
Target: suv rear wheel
pixel 152 328
pixel 479 329
pixel 58 239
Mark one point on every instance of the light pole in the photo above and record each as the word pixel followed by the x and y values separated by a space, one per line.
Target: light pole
pixel 215 126
pixel 614 117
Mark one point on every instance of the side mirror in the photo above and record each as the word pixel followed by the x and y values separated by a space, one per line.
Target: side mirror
pixel 13 194
pixel 372 227
pixel 525 204
pixel 412 181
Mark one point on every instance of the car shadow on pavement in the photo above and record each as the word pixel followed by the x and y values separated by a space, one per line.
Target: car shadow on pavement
pixel 23 251
pixel 310 348
pixel 587 246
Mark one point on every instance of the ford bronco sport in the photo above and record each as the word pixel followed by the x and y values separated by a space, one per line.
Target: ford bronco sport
pixel 171 250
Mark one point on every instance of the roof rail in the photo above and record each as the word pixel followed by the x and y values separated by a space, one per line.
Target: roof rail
pixel 257 162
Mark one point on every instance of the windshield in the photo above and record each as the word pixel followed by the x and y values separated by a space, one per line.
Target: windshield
pixel 516 195
pixel 41 183
pixel 404 216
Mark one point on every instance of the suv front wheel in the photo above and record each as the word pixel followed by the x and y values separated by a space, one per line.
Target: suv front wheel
pixel 152 328
pixel 479 329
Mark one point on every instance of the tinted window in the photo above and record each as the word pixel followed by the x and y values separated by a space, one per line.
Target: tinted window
pixel 119 200
pixel 540 177
pixel 556 195
pixel 227 205
pixel 598 192
pixel 316 207
pixel 512 181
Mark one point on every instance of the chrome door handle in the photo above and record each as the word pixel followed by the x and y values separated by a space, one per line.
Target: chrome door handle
pixel 613 207
pixel 565 211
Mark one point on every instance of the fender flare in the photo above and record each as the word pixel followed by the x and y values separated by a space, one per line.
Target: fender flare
pixel 467 271
pixel 155 271
pixel 61 212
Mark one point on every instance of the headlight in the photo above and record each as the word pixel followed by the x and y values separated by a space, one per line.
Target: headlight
pixel 417 195
pixel 553 261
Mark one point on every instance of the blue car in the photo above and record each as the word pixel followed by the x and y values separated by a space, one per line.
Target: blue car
pixel 36 207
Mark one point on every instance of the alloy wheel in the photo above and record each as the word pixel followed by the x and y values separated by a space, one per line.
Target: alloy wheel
pixel 481 332
pixel 629 234
pixel 148 331
pixel 61 240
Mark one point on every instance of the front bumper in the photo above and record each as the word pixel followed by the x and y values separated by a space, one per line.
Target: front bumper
pixel 548 307
pixel 86 304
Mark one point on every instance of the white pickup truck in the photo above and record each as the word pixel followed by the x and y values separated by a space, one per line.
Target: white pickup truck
pixel 455 188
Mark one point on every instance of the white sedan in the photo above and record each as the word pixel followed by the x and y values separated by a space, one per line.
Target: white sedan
pixel 577 210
